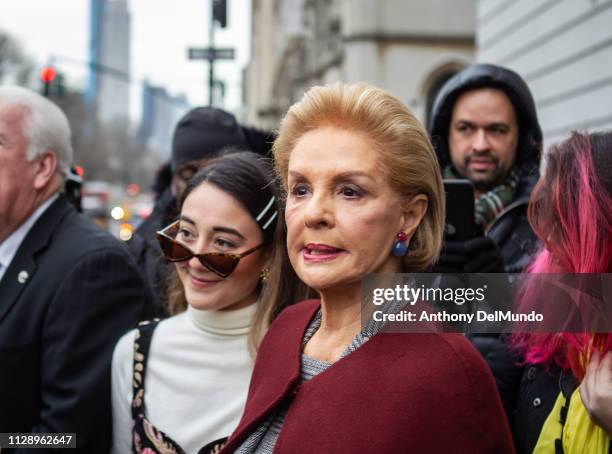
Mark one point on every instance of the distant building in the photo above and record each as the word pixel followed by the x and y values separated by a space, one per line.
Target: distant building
pixel 96 13
pixel 160 113
pixel 109 55
pixel 409 47
pixel 563 49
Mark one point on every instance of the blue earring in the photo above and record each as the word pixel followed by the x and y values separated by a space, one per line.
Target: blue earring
pixel 399 247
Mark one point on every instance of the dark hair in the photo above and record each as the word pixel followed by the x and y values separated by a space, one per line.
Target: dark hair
pixel 249 179
pixel 601 145
pixel 480 76
pixel 259 140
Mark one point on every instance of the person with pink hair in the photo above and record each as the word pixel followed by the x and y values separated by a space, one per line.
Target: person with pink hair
pixel 565 397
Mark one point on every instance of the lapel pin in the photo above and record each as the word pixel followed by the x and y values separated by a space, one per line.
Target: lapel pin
pixel 22 277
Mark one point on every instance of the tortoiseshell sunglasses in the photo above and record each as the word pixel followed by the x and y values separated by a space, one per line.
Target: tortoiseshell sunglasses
pixel 220 263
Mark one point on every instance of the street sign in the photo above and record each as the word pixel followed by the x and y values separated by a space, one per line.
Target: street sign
pixel 206 53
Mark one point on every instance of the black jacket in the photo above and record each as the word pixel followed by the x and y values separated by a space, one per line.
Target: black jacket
pixel 528 393
pixel 510 230
pixel 69 293
pixel 526 404
pixel 149 258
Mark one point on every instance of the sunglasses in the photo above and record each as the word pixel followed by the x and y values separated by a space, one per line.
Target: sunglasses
pixel 220 263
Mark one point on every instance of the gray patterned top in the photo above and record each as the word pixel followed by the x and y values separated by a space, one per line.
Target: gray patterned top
pixel 263 440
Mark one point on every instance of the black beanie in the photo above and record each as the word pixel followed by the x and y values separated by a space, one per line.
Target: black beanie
pixel 203 132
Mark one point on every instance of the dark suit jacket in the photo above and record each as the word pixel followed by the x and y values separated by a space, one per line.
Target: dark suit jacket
pixel 70 292
pixel 148 254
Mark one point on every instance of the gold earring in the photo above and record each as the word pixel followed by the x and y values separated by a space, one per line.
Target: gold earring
pixel 265 274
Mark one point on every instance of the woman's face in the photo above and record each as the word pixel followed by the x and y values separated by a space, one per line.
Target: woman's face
pixel 342 216
pixel 213 221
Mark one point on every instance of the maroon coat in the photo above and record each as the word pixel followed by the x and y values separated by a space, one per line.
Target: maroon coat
pixel 397 393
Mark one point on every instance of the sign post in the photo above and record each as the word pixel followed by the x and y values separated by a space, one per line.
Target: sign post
pixel 211 54
pixel 207 53
pixel 218 14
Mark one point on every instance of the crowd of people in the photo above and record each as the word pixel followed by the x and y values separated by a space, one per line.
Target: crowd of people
pixel 231 322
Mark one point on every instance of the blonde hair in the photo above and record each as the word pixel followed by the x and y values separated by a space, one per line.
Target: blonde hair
pixel 281 289
pixel 406 157
pixel 406 154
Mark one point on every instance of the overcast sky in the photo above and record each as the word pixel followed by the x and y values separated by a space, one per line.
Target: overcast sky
pixel 162 30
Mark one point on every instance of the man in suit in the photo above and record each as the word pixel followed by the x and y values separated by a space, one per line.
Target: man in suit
pixel 68 290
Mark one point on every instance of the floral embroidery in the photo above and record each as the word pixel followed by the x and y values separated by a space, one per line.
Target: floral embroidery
pixel 137 443
pixel 137 401
pixel 146 438
pixel 216 449
pixel 158 439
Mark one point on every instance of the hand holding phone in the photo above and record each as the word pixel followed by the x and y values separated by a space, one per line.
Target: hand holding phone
pixel 459 225
pixel 464 249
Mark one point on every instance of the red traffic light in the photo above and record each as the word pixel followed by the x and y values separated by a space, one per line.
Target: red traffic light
pixel 47 74
pixel 132 189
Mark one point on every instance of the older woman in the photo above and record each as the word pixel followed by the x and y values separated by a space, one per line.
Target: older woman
pixel 364 195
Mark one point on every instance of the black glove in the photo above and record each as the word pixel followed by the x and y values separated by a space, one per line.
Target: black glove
pixel 478 255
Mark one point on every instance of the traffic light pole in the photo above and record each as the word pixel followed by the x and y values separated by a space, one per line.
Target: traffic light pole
pixel 47 76
pixel 218 15
pixel 211 62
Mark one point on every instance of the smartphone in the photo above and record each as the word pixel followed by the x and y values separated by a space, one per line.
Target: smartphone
pixel 460 224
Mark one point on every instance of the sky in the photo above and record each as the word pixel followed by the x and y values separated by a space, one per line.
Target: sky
pixel 162 30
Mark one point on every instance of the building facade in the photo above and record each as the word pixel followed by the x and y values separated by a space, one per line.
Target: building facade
pixel 160 114
pixel 563 49
pixel 409 47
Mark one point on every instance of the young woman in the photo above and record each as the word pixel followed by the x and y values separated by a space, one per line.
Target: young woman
pixel 364 195
pixel 181 384
pixel 565 398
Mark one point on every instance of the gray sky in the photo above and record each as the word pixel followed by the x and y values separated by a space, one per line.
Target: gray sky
pixel 161 32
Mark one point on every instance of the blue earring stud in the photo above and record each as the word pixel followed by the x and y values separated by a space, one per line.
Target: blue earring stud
pixel 399 247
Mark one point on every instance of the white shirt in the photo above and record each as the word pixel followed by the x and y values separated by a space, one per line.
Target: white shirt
pixel 196 382
pixel 10 246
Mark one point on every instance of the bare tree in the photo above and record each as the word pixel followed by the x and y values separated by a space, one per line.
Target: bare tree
pixel 12 60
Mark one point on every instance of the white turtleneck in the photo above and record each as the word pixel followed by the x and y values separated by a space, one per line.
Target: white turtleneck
pixel 196 382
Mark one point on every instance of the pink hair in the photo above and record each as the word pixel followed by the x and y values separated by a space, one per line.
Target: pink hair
pixel 571 211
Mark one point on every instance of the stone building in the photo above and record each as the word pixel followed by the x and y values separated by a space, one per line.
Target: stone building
pixel 563 49
pixel 409 47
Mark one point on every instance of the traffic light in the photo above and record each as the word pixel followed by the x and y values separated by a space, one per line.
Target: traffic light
pixel 219 9
pixel 47 76
pixel 59 85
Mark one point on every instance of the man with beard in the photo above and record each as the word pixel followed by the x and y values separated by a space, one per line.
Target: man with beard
pixel 485 129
